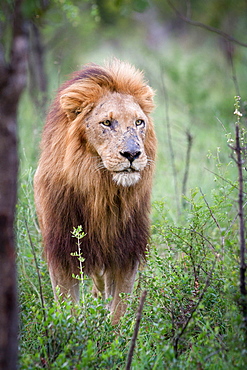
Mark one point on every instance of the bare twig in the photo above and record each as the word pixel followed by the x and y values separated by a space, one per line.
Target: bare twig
pixel 240 151
pixel 205 26
pixel 210 210
pixel 222 178
pixel 37 267
pixel 169 137
pixel 192 231
pixel 234 75
pixel 137 325
pixel 187 163
pixel 40 287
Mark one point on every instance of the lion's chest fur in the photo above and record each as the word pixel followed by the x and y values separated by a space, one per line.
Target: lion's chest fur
pixel 115 223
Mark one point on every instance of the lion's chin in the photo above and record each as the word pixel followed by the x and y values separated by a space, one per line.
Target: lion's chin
pixel 126 178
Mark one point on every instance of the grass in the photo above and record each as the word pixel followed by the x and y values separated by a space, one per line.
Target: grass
pixel 191 319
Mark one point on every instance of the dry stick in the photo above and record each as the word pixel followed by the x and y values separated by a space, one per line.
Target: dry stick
pixel 222 178
pixel 37 267
pixel 234 75
pixel 215 220
pixel 187 164
pixel 239 151
pixel 228 182
pixel 134 337
pixel 178 337
pixel 40 286
pixel 243 303
pixel 169 136
pixel 210 210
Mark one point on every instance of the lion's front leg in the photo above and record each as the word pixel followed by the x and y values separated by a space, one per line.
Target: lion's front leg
pixel 68 286
pixel 111 284
pixel 122 282
pixel 98 283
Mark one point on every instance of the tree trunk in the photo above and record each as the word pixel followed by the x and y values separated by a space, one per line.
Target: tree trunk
pixel 36 67
pixel 12 83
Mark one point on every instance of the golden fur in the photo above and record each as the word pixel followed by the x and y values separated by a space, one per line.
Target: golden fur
pixel 95 170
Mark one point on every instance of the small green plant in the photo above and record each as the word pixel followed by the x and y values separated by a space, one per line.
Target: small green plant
pixel 79 234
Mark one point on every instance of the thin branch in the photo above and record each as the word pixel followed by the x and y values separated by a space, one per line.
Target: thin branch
pixel 240 151
pixel 234 75
pixel 192 231
pixel 222 178
pixel 187 163
pixel 205 26
pixel 37 267
pixel 40 287
pixel 210 210
pixel 137 325
pixel 241 213
pixel 169 137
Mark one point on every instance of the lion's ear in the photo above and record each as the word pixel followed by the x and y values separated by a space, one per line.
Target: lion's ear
pixel 71 106
pixel 147 97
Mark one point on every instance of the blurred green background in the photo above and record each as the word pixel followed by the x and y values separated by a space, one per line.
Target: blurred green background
pixel 195 73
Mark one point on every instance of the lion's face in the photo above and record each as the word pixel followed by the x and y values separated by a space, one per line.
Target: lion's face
pixel 116 129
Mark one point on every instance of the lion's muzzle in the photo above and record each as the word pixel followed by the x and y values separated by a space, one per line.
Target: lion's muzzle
pixel 132 148
pixel 131 156
pixel 127 170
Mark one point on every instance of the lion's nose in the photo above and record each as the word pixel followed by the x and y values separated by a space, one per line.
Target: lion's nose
pixel 131 156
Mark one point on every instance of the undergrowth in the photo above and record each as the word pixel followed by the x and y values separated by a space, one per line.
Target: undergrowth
pixel 190 320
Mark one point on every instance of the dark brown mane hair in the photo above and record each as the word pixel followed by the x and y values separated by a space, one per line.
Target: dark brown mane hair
pixel 72 192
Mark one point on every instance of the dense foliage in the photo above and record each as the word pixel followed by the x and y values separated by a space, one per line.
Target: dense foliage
pixel 191 316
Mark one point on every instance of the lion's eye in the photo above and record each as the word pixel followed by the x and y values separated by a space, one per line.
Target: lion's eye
pixel 140 122
pixel 77 111
pixel 107 123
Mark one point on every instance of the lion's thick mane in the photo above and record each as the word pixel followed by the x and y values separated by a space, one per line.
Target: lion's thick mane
pixel 71 189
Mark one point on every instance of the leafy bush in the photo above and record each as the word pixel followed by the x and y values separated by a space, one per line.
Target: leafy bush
pixel 190 318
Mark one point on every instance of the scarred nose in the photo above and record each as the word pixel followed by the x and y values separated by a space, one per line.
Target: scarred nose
pixel 131 149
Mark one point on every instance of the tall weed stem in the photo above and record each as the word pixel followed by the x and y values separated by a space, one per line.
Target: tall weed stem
pixel 79 234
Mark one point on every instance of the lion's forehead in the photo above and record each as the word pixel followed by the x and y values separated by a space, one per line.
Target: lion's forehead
pixel 119 107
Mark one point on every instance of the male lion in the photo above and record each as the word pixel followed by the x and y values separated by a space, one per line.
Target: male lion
pixel 95 170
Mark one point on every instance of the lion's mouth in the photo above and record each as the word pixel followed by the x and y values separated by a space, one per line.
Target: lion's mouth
pixel 127 170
